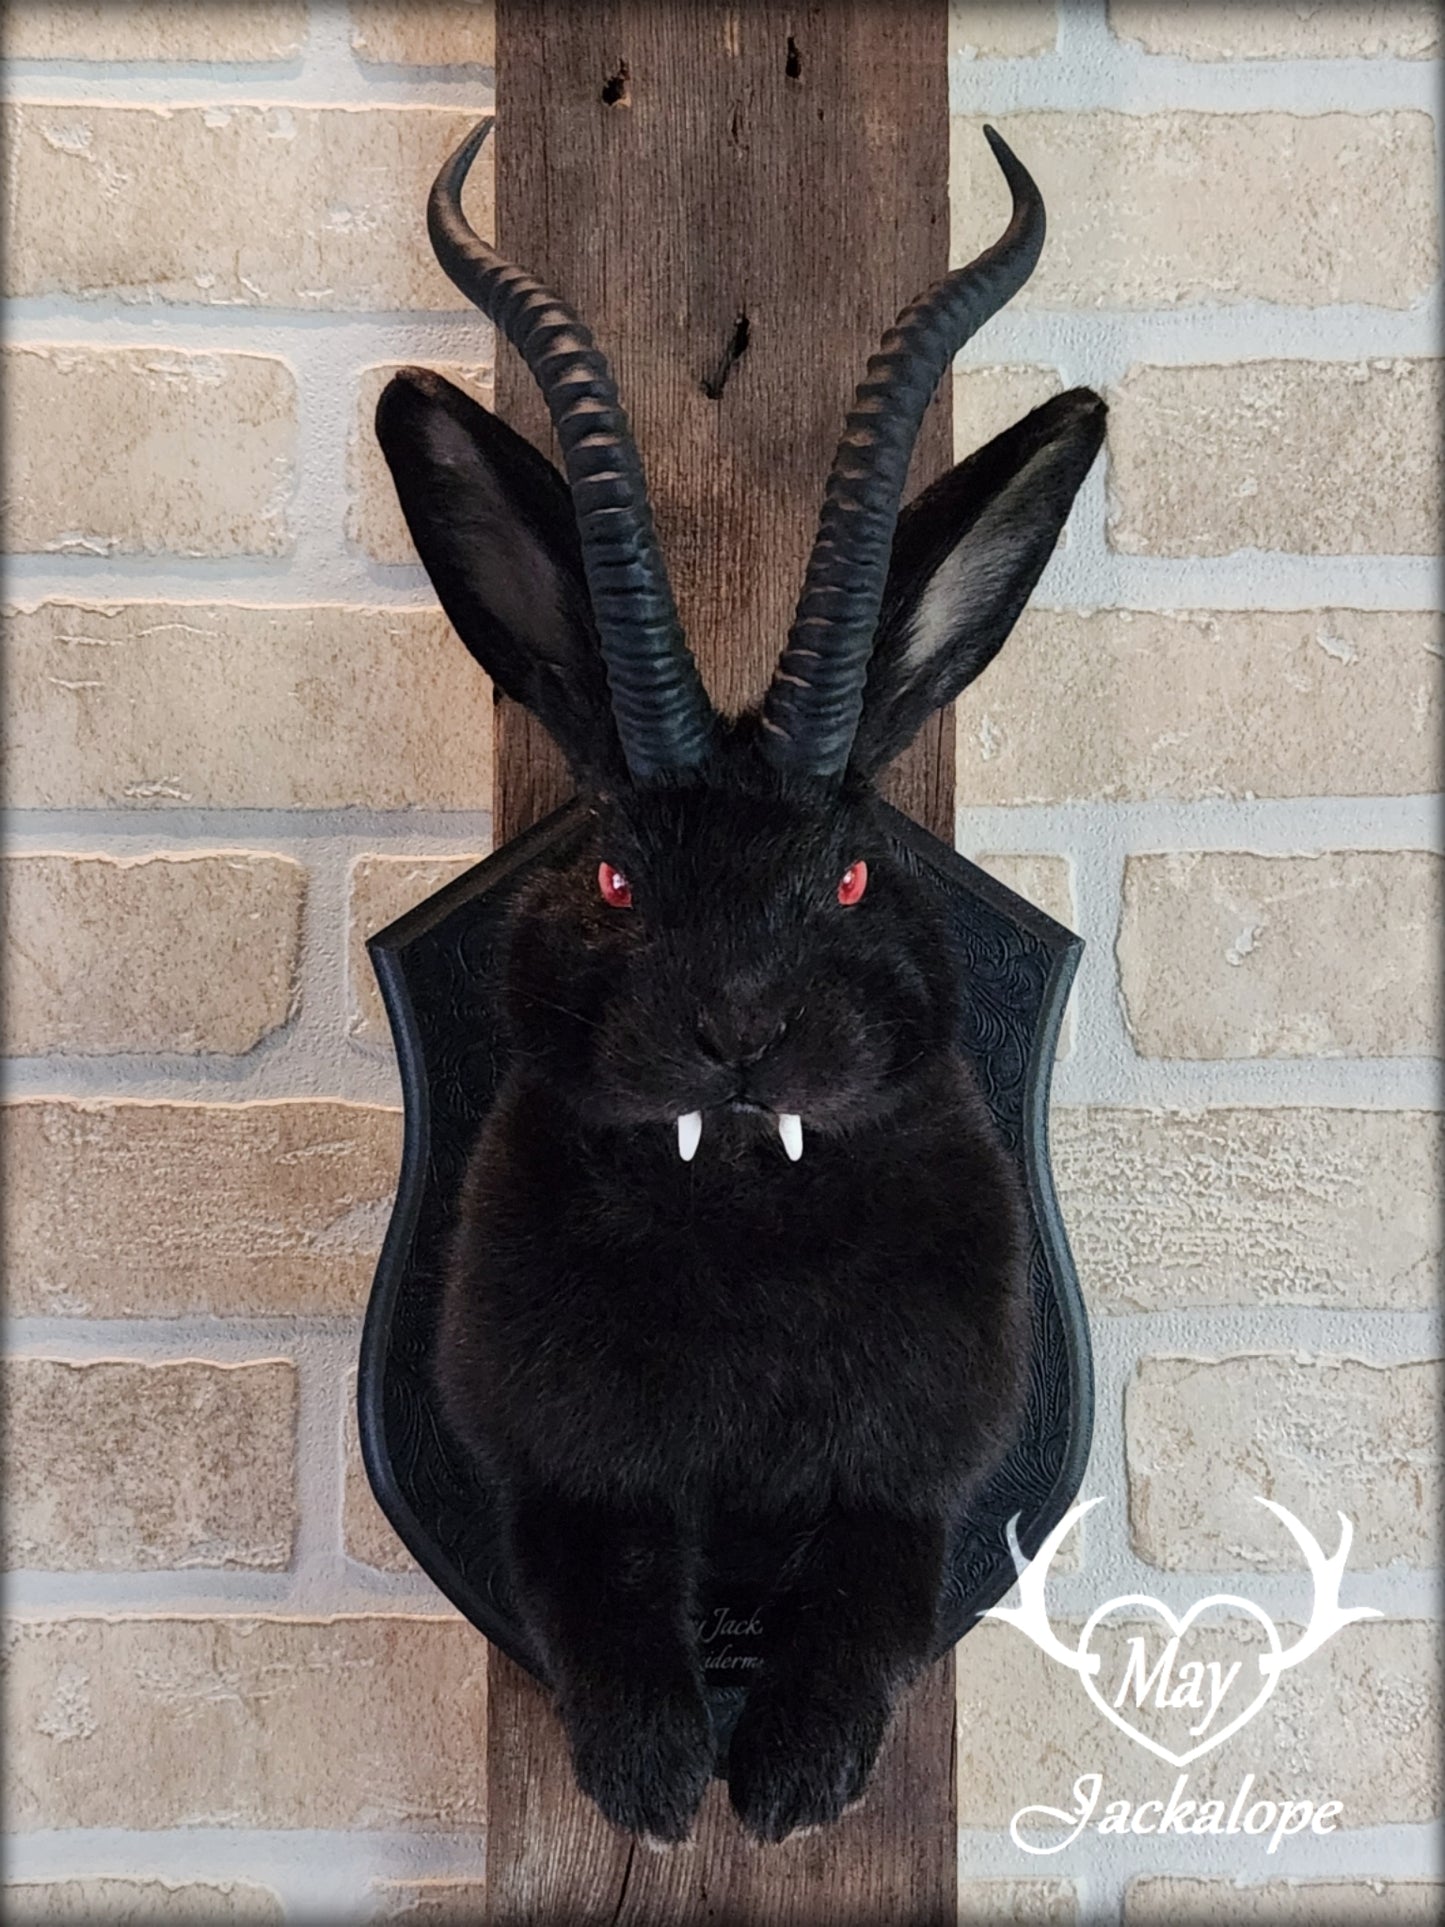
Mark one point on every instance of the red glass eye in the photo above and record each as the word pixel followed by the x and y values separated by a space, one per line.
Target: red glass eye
pixel 614 887
pixel 853 882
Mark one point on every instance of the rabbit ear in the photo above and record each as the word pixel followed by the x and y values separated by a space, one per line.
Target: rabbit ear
pixel 493 523
pixel 966 555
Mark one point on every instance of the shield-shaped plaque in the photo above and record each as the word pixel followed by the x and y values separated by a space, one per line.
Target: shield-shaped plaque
pixel 440 975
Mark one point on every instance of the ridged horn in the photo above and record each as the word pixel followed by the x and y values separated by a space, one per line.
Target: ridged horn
pixel 811 710
pixel 664 719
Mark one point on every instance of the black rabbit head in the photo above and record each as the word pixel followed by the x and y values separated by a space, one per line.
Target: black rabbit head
pixel 736 953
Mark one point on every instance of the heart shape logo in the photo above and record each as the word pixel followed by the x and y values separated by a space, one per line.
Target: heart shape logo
pixel 1162 1685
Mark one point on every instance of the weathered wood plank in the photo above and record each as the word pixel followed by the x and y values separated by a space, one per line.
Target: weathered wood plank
pixel 721 187
pixel 738 199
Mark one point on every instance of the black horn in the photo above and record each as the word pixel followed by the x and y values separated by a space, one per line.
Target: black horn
pixel 664 718
pixel 811 710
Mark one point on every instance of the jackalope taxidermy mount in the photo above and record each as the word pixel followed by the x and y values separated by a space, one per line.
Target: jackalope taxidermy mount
pixel 739 1250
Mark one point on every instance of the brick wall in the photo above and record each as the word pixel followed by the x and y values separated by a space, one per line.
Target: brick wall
pixel 1214 738
pixel 239 737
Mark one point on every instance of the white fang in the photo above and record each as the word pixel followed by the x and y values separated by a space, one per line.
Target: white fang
pixel 790 1130
pixel 689 1135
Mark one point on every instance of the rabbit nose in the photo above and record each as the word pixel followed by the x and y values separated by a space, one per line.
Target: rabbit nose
pixel 741 1038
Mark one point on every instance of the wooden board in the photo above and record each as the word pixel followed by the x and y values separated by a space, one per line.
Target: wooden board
pixel 737 199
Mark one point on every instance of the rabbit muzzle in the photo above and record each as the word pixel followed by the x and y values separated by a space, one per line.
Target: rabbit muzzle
pixel 742 1035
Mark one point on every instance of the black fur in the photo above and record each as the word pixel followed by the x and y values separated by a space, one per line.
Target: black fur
pixel 655 1357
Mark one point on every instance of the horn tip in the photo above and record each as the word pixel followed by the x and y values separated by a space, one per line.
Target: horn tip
pixel 452 174
pixel 1021 184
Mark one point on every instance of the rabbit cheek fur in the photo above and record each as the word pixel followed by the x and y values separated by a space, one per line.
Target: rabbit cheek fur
pixel 823 1354
pixel 740 1333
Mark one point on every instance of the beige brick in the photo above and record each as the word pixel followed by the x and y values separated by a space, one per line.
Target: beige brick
pixel 365 1530
pixel 1172 209
pixel 1337 1209
pixel 441 1903
pixel 1167 1901
pixel 333 215
pixel 149 1210
pixel 1207 460
pixel 209 30
pixel 1041 880
pixel 120 1902
pixel 1279 29
pixel 1234 702
pixel 327 707
pixel 1001 27
pixel 984 1903
pixel 987 400
pixel 382 889
pixel 355 1721
pixel 1358 1722
pixel 374 522
pixel 1045 881
pixel 1238 955
pixel 123 1466
pixel 1318 1435
pixel 425 33
pixel 157 953
pixel 150 450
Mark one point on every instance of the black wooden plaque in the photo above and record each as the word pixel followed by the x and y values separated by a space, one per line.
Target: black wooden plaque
pixel 439 971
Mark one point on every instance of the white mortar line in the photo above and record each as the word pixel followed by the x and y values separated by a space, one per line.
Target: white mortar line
pixel 1105 341
pixel 1086 576
pixel 1392 1333
pixel 323 1877
pixel 340 578
pixel 269 1074
pixel 325 1366
pixel 1089 69
pixel 297 83
pixel 224 1593
pixel 323 1025
pixel 324 72
pixel 1269 825
pixel 304 833
pixel 1103 344
pixel 1106 580
pixel 1404 1594
pixel 1410 1084
pixel 1097 1074
pixel 287 1067
pixel 1385 1333
pixel 1100 1869
pixel 225 1336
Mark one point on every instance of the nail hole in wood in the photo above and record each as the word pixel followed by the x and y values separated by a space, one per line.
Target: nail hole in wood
pixel 793 67
pixel 617 92
pixel 737 346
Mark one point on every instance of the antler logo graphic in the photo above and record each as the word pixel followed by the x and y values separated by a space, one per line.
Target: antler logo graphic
pixel 1195 1685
